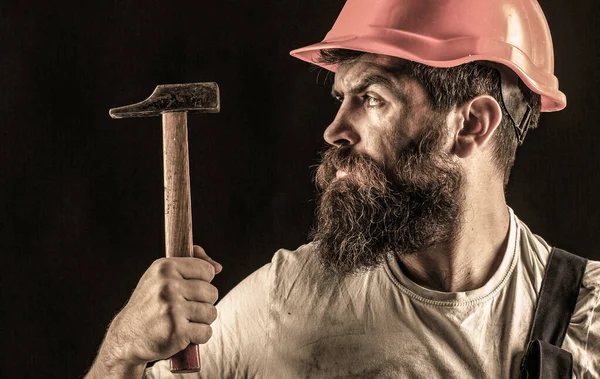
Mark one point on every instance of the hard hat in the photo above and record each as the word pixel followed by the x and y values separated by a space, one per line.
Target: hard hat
pixel 448 33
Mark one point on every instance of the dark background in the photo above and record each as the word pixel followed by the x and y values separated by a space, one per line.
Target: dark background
pixel 81 194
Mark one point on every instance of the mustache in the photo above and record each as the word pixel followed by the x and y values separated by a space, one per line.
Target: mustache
pixel 362 171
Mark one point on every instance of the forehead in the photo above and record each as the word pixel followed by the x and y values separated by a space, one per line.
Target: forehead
pixel 352 74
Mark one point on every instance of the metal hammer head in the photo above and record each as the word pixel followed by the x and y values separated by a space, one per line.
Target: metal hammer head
pixel 192 97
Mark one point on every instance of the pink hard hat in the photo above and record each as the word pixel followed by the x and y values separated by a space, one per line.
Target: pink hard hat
pixel 447 33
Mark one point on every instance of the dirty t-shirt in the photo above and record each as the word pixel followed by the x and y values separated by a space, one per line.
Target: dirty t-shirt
pixel 286 321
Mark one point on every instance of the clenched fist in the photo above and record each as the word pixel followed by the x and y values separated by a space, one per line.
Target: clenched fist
pixel 171 307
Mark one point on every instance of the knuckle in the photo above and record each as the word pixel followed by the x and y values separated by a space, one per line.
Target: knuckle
pixel 164 267
pixel 171 337
pixel 178 329
pixel 168 290
pixel 167 311
pixel 170 313
pixel 164 294
pixel 175 340
pixel 162 343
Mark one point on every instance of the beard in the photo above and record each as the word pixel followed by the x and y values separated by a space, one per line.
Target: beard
pixel 375 211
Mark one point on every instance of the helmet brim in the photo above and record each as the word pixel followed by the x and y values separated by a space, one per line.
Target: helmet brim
pixel 444 54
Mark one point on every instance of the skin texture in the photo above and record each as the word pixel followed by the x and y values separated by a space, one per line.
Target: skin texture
pixel 171 307
pixel 380 113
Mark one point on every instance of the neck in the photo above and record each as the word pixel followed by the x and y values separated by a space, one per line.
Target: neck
pixel 471 259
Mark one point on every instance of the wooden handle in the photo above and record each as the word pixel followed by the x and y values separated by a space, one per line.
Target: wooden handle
pixel 178 211
pixel 187 360
pixel 178 207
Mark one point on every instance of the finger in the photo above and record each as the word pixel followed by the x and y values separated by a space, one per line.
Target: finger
pixel 203 313
pixel 187 268
pixel 199 252
pixel 198 333
pixel 191 268
pixel 199 291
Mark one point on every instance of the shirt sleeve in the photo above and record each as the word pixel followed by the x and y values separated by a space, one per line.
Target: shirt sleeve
pixel 583 334
pixel 239 341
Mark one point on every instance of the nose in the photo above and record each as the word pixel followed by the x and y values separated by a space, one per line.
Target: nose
pixel 341 131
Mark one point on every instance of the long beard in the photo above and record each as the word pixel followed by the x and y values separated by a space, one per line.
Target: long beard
pixel 376 211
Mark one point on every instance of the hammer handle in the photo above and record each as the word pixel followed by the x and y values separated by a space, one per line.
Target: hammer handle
pixel 178 212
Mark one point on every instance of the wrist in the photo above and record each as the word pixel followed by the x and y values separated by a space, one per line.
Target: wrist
pixel 107 366
pixel 113 360
pixel 106 370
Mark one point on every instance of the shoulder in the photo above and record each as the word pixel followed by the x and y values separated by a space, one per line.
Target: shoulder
pixel 288 269
pixel 288 263
pixel 294 273
pixel 295 259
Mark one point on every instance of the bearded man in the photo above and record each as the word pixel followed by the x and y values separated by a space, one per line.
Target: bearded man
pixel 417 268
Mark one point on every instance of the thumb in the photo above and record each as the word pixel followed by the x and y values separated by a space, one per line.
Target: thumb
pixel 200 253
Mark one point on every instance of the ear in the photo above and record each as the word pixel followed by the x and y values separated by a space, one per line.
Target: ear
pixel 480 118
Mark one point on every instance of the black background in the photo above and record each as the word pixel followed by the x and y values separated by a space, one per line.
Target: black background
pixel 81 194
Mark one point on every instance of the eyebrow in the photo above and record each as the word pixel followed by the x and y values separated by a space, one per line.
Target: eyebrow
pixel 368 81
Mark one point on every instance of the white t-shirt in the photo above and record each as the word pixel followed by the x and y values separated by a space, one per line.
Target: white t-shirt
pixel 285 321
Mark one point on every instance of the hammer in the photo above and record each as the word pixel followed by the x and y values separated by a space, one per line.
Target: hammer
pixel 174 101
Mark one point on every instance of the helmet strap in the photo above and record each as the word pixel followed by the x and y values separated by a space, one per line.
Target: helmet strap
pixel 514 101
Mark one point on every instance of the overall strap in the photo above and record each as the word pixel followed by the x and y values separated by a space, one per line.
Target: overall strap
pixel 544 359
pixel 558 296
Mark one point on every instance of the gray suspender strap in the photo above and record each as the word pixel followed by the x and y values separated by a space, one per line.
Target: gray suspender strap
pixel 556 302
pixel 558 296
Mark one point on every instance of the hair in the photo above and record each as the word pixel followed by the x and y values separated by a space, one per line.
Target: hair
pixel 448 87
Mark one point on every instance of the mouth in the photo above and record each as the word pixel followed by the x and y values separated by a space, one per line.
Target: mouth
pixel 339 174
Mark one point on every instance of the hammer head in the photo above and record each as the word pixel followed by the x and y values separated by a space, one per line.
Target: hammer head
pixel 191 97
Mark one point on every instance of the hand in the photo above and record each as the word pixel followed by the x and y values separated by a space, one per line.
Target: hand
pixel 171 307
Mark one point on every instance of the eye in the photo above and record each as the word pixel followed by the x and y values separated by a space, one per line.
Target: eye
pixel 372 102
pixel 338 100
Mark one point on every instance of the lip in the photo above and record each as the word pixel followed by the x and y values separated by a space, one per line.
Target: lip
pixel 339 174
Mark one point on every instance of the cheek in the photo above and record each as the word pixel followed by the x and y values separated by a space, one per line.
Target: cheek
pixel 394 138
pixel 388 132
pixel 383 144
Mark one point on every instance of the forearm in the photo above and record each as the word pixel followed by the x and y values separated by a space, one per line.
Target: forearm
pixel 101 371
pixel 105 367
pixel 109 363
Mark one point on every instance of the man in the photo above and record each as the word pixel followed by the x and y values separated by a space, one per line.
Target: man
pixel 417 268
